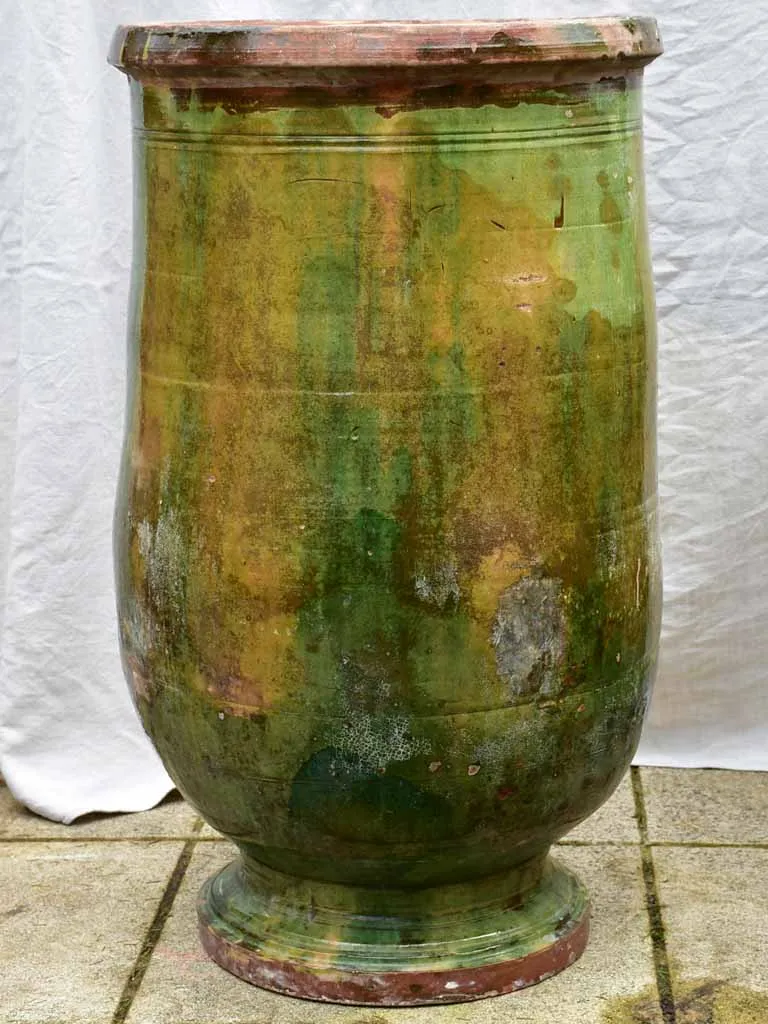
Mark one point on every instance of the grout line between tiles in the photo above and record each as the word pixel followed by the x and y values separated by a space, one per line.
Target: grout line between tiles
pixel 653 906
pixel 597 842
pixel 708 844
pixel 155 930
pixel 182 837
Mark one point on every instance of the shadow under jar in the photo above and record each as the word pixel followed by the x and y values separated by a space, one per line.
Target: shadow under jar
pixel 386 540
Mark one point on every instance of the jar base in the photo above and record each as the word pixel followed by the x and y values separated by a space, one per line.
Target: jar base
pixel 360 946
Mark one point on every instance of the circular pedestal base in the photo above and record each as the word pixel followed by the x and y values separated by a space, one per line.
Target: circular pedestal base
pixel 445 944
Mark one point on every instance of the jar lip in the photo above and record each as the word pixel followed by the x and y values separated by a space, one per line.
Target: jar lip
pixel 170 49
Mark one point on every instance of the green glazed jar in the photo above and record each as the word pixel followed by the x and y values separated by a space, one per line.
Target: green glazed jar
pixel 386 539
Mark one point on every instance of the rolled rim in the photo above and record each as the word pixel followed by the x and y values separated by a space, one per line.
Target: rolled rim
pixel 184 48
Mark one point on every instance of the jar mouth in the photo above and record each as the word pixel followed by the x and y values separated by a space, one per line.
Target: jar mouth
pixel 190 49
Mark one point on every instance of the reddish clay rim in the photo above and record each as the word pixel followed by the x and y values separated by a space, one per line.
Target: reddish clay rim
pixel 402 988
pixel 165 50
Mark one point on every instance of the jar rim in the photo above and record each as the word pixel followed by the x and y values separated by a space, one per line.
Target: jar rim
pixel 169 49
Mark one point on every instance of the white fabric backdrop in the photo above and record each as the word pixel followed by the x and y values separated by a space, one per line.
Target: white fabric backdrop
pixel 69 738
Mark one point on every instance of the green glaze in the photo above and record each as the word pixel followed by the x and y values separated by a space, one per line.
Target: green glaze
pixel 386 537
pixel 366 929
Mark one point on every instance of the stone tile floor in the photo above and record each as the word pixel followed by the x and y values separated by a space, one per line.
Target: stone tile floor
pixel 98 918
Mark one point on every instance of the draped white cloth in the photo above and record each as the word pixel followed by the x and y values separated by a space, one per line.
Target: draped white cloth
pixel 70 741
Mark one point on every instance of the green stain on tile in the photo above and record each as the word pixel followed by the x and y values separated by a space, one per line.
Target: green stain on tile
pixel 702 1001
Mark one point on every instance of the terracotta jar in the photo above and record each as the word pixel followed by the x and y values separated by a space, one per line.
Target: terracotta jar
pixel 386 537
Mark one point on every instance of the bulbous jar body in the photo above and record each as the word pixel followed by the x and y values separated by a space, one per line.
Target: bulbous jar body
pixel 386 541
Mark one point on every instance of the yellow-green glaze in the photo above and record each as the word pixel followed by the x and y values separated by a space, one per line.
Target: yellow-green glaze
pixel 386 537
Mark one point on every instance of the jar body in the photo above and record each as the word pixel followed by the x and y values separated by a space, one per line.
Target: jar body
pixel 386 540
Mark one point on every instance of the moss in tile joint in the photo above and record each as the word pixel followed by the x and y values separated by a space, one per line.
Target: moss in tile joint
pixel 155 929
pixel 653 906
pixel 639 797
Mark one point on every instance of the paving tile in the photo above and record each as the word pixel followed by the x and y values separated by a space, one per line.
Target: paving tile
pixel 182 985
pixel 74 916
pixel 172 818
pixel 614 822
pixel 715 910
pixel 706 805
